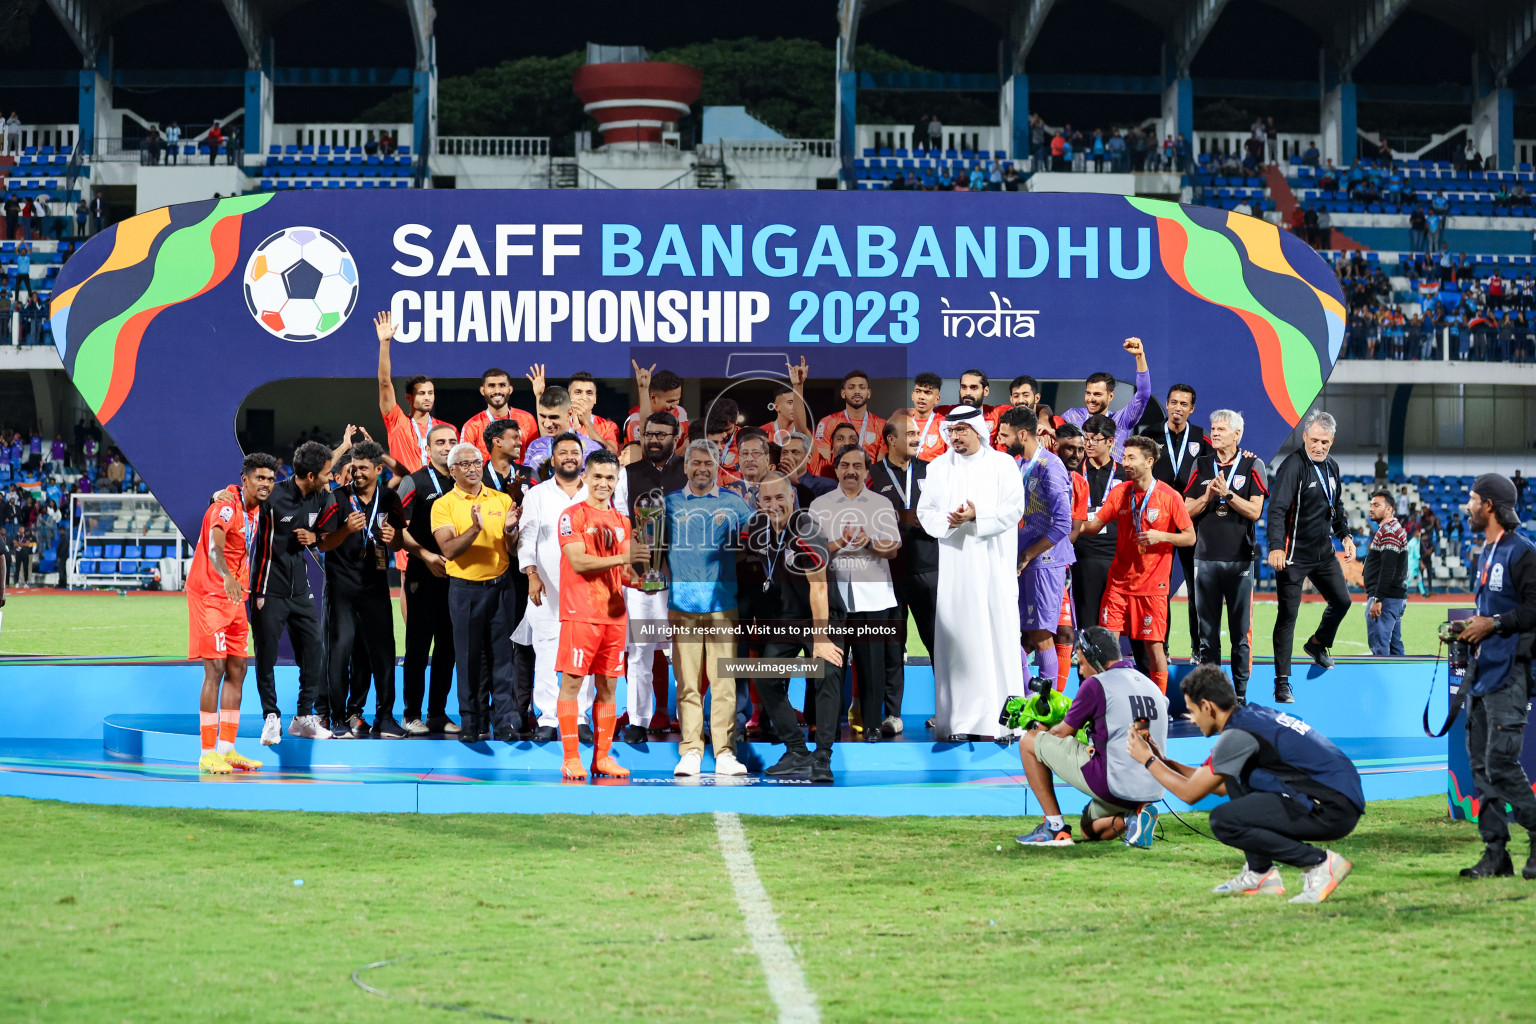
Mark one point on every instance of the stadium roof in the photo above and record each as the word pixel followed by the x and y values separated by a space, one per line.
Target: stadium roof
pixel 87 22
pixel 1501 30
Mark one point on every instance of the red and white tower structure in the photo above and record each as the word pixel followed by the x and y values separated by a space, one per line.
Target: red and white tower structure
pixel 633 100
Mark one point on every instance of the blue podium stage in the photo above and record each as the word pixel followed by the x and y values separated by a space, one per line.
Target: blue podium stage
pixel 122 734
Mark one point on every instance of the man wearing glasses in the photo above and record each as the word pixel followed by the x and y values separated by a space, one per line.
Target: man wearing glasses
pixel 473 526
pixel 652 478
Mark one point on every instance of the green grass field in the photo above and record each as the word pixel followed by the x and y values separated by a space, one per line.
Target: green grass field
pixel 127 914
pixel 155 626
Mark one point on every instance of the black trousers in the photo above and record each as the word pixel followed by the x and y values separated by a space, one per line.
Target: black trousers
pixel 1090 578
pixel 872 659
pixel 428 630
pixel 918 594
pixel 482 643
pixel 826 692
pixel 1229 585
pixel 269 617
pixel 1495 736
pixel 1328 577
pixel 1187 563
pixel 522 654
pixel 1269 827
pixel 367 622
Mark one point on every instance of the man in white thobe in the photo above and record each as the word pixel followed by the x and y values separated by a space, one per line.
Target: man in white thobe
pixel 538 555
pixel 971 503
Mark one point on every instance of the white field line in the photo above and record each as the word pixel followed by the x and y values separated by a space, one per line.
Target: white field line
pixel 786 981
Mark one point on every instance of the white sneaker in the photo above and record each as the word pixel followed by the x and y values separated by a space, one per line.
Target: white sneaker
pixel 689 764
pixel 891 726
pixel 1251 883
pixel 272 731
pixel 726 764
pixel 415 727
pixel 308 727
pixel 1318 882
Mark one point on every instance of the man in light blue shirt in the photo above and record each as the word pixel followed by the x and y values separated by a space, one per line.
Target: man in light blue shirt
pixel 703 533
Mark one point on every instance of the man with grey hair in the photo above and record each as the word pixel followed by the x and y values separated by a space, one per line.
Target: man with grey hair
pixel 1225 498
pixel 474 526
pixel 1305 513
pixel 703 531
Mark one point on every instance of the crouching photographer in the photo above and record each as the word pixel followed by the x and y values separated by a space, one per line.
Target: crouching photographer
pixel 1498 677
pixel 1113 700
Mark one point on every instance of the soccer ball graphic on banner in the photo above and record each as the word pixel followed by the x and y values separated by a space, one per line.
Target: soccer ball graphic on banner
pixel 301 284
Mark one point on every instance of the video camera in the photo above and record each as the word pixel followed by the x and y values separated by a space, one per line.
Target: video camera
pixel 1044 704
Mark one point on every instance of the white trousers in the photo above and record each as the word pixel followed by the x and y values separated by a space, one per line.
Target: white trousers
pixel 546 681
pixel 640 658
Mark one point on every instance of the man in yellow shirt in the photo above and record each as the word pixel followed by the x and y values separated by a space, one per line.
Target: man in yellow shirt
pixel 476 530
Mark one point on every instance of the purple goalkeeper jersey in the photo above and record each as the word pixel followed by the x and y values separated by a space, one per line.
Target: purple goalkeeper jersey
pixel 1126 418
pixel 1047 508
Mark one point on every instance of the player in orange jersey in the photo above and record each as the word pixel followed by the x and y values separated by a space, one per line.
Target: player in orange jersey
pixel 926 417
pixel 596 556
pixel 405 430
pixel 218 630
pixel 1153 520
pixel 870 428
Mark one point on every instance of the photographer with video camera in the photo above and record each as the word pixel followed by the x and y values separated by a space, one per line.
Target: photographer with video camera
pixel 1498 676
pixel 1113 701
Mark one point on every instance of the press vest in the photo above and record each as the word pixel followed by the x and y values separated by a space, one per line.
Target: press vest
pixel 1129 695
pixel 1496 655
pixel 1292 754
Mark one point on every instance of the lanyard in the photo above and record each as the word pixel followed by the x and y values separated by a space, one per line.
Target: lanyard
pixel 1138 513
pixel 421 438
pixel 1237 460
pixel 437 485
pixel 922 441
pixel 491 472
pixel 905 492
pixel 357 507
pixel 1109 485
pixel 774 551
pixel 1326 480
pixel 251 520
pixel 1178 462
pixel 1487 559
pixel 862 424
pixel 1027 470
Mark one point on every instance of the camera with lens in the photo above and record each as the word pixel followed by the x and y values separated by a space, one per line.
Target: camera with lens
pixel 1458 651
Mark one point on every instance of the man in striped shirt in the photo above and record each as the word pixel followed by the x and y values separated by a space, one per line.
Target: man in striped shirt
pixel 1386 574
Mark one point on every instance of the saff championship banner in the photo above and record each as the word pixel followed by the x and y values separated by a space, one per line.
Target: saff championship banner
pixel 166 321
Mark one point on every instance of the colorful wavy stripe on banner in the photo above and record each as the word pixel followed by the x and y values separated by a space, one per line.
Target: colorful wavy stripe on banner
pixel 189 262
pixel 1208 265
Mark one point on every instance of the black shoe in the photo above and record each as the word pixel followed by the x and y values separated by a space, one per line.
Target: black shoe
pixel 821 766
pixel 1242 698
pixel 469 732
pixel 1283 691
pixel 546 734
pixel 872 736
pixel 507 736
pixel 387 729
pixel 794 762
pixel 584 733
pixel 1318 653
pixel 1529 871
pixel 635 734
pixel 1495 864
pixel 358 726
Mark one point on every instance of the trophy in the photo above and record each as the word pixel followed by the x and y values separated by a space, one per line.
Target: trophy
pixel 649 509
